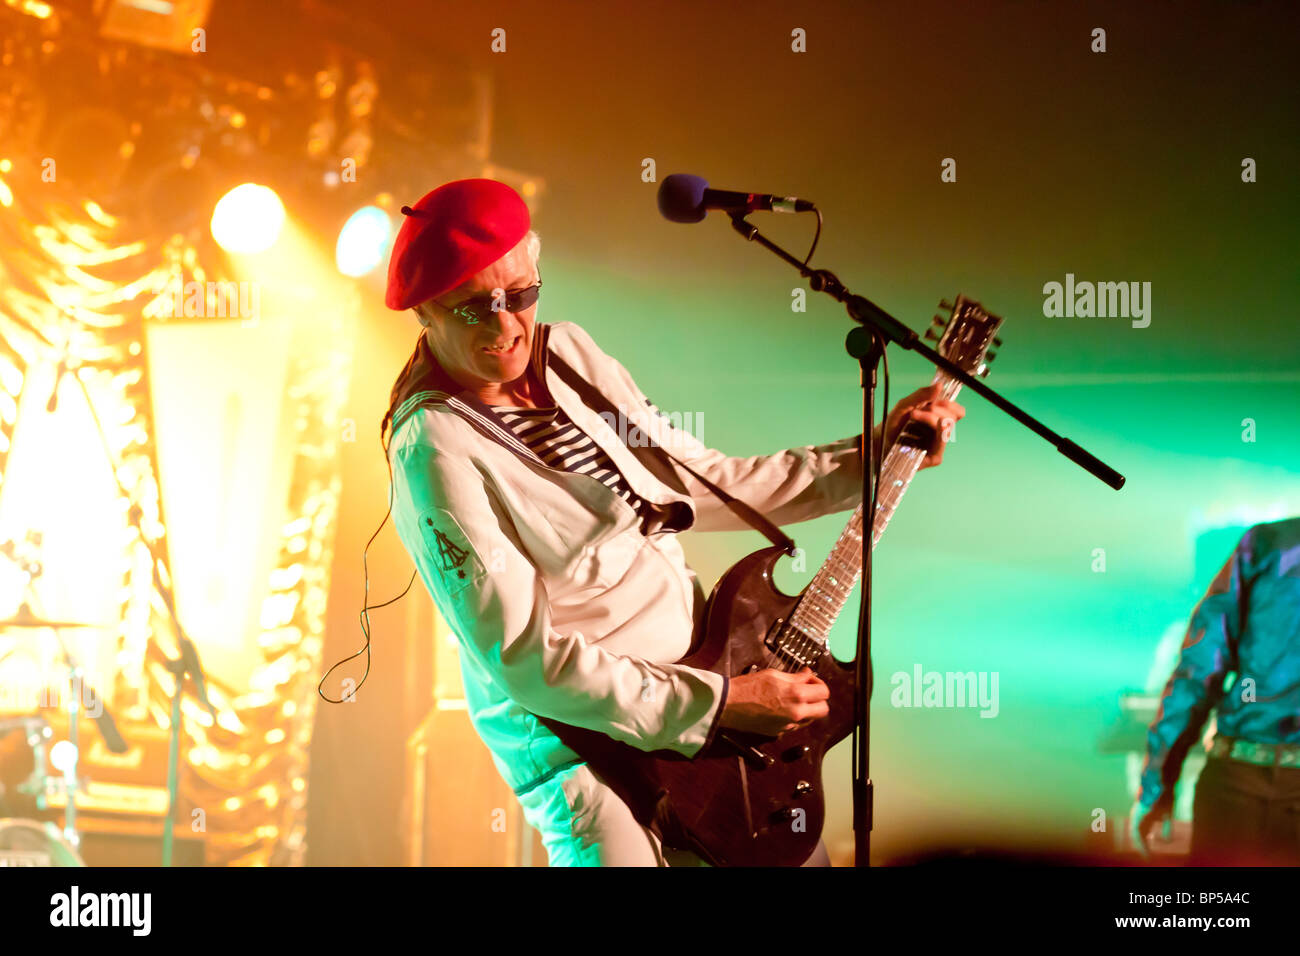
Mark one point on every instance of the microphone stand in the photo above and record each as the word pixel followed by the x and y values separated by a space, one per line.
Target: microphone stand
pixel 866 343
pixel 186 664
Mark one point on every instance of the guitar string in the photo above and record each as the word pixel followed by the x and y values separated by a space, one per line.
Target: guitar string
pixel 803 640
pixel 843 569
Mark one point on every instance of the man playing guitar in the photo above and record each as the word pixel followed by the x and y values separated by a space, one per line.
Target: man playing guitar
pixel 549 546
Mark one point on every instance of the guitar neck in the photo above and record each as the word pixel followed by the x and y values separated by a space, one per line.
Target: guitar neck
pixel 826 595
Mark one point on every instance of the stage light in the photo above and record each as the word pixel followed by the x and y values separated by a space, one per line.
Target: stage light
pixel 63 756
pixel 33 8
pixel 248 219
pixel 363 241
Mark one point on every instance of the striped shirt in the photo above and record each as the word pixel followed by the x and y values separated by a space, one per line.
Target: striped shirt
pixel 559 443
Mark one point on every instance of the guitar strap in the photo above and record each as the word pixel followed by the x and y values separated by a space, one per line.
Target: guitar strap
pixel 622 767
pixel 656 464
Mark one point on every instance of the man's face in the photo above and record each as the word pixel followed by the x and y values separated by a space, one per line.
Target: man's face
pixel 496 348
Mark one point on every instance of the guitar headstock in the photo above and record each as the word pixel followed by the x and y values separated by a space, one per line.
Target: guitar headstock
pixel 968 336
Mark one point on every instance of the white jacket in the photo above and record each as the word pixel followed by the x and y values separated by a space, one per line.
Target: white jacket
pixel 562 605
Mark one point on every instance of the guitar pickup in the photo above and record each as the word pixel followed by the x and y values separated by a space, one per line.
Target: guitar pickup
pixel 792 644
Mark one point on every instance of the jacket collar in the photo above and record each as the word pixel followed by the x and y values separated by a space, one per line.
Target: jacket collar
pixel 424 381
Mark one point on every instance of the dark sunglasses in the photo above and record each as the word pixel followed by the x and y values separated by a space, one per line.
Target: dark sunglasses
pixel 480 307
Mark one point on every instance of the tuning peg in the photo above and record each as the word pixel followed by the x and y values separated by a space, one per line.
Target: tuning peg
pixel 990 355
pixel 984 371
pixel 946 305
pixel 931 335
pixel 997 342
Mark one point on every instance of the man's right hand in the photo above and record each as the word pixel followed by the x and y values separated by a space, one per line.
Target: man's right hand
pixel 771 702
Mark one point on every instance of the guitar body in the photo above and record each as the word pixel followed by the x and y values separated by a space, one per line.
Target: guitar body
pixel 748 799
pixel 737 809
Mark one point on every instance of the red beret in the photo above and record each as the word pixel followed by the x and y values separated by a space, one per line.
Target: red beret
pixel 459 229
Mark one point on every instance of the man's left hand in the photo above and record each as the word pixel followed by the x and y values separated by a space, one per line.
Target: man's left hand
pixel 1143 821
pixel 929 407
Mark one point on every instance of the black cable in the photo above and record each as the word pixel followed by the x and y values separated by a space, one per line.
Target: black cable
pixel 366 606
pixel 817 235
pixel 884 436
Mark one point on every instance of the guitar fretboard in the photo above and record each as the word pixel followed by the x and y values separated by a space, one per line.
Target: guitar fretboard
pixel 826 595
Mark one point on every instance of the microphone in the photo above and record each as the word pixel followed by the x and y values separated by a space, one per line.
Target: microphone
pixel 686 198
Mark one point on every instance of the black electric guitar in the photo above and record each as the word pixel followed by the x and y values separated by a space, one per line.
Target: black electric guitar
pixel 753 800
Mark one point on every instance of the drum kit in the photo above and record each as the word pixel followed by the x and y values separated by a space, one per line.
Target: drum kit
pixel 27 842
pixel 31 842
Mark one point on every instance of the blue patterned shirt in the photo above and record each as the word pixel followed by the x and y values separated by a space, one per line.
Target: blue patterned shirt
pixel 1241 656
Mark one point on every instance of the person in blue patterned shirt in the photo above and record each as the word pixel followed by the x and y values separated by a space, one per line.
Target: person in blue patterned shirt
pixel 1241 659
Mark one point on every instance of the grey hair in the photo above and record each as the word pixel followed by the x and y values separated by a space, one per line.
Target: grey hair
pixel 533 246
pixel 532 249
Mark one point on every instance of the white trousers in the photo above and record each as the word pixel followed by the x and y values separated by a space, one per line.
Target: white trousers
pixel 584 823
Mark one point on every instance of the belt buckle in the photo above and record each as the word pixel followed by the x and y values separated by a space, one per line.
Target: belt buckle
pixel 1261 755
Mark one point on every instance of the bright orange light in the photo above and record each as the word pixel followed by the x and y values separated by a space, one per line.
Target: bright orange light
pixel 34 8
pixel 248 219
